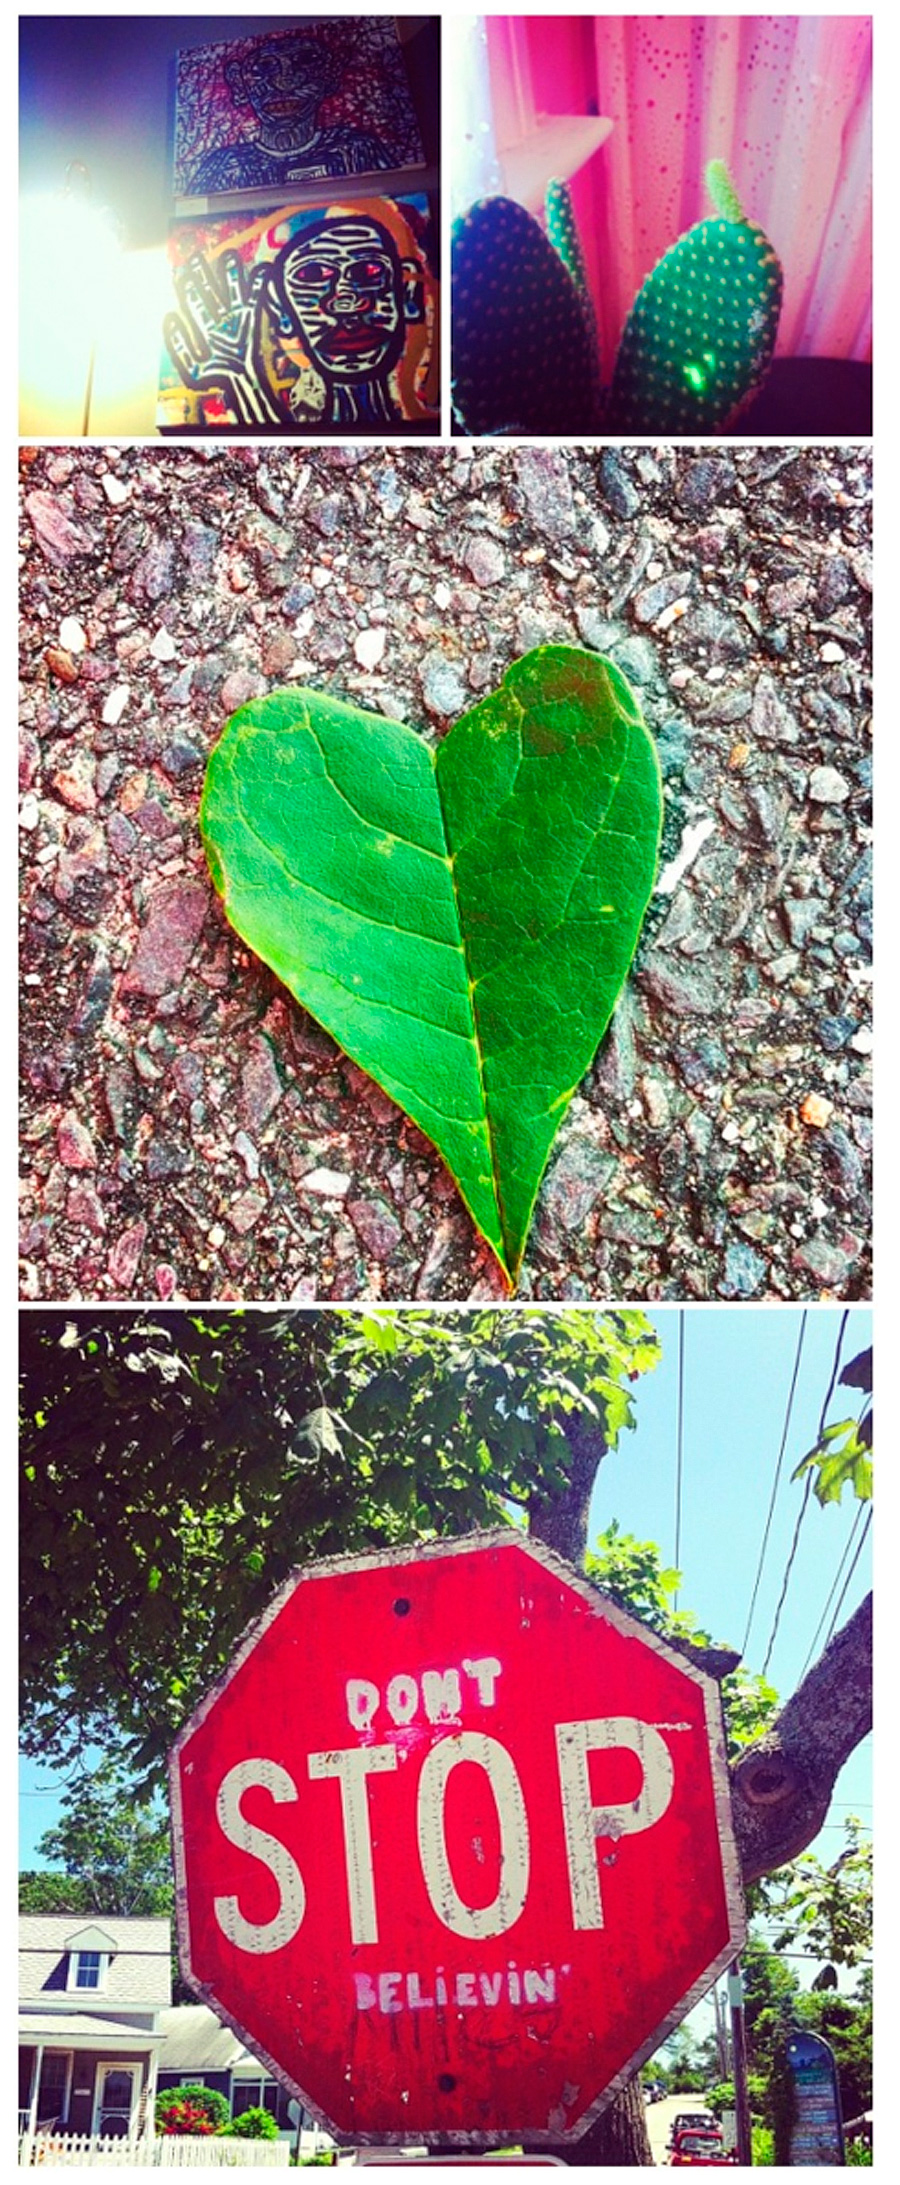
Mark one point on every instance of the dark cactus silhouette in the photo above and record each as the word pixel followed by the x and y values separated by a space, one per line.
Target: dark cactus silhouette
pixel 697 342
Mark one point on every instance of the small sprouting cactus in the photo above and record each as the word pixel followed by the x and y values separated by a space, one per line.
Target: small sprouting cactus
pixel 700 336
pixel 524 356
pixel 697 343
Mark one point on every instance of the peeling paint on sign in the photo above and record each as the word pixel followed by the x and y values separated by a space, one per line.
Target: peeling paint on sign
pixel 453 1843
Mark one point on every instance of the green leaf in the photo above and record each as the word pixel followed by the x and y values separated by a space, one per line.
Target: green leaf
pixel 461 923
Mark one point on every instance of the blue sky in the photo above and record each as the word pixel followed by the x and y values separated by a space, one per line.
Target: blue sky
pixel 738 1363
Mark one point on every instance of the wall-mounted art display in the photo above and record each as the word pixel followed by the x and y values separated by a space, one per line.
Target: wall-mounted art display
pixel 319 100
pixel 308 318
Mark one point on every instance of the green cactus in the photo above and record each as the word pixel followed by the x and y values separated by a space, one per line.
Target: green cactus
pixel 524 357
pixel 562 232
pixel 700 336
pixel 698 340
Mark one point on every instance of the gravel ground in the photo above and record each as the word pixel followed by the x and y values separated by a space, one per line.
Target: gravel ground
pixel 188 1132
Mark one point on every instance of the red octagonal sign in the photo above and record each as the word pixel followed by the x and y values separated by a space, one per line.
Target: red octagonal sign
pixel 453 1843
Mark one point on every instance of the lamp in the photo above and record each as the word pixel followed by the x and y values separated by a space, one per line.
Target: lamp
pixel 70 249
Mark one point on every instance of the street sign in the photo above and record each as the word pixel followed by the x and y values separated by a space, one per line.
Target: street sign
pixel 453 1845
pixel 817 2131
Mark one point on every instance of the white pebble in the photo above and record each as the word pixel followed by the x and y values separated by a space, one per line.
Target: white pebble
pixel 827 786
pixel 327 1182
pixel 832 652
pixel 115 491
pixel 369 646
pixel 115 705
pixel 71 634
pixel 29 811
pixel 163 645
pixel 442 594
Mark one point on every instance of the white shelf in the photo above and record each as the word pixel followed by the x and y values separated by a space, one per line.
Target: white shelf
pixel 552 151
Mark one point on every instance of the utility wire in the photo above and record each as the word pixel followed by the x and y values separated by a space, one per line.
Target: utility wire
pixel 833 1589
pixel 807 1490
pixel 840 1603
pixel 784 1436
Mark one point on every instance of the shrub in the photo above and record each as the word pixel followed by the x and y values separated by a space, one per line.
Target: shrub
pixel 254 2124
pixel 198 2110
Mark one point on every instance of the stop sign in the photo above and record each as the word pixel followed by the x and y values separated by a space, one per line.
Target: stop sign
pixel 452 1842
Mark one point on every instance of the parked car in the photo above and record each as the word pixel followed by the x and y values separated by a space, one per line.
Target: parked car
pixel 699 2147
pixel 693 2120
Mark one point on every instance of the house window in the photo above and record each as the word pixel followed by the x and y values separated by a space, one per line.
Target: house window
pixel 87 1970
pixel 53 2092
pixel 254 2094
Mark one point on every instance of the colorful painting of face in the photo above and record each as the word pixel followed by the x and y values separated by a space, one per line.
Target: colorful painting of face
pixel 325 99
pixel 305 319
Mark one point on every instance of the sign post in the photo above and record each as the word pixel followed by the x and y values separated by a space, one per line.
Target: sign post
pixel 453 1844
pixel 817 2131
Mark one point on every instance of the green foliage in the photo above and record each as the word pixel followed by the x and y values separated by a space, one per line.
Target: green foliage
pixel 775 2005
pixel 42 1892
pixel 826 1909
pixel 176 1466
pixel 114 1853
pixel 631 1572
pixel 859 2153
pixel 461 923
pixel 191 2110
pixel 720 2097
pixel 843 1455
pixel 254 2123
pixel 762 2143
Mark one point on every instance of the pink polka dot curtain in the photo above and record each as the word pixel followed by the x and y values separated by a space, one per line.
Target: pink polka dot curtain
pixel 784 100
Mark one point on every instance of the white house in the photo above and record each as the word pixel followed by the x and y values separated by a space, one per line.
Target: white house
pixel 91 1994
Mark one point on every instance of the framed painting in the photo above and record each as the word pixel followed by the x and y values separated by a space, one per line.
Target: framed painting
pixel 320 101
pixel 311 318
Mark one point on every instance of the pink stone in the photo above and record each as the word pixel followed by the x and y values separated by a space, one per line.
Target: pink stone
pixel 168 940
pixel 122 1264
pixel 74 1143
pixel 83 1208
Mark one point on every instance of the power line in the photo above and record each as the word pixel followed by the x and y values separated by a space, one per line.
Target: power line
pixel 840 1603
pixel 784 1436
pixel 833 1589
pixel 806 1491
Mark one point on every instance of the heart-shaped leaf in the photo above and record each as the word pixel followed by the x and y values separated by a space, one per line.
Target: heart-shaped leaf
pixel 461 921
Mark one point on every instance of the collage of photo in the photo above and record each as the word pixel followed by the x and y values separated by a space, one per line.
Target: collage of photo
pixel 445 1322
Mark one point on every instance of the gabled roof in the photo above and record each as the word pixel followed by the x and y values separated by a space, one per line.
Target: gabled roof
pixel 91 1938
pixel 139 1971
pixel 196 2040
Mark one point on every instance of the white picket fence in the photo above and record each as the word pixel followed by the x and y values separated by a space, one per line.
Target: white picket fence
pixel 171 2152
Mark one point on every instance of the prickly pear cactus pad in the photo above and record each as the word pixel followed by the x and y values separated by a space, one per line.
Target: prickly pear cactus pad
pixel 461 922
pixel 523 355
pixel 699 339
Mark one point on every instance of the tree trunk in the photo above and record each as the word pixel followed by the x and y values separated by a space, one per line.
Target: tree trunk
pixel 620 2134
pixel 781 1787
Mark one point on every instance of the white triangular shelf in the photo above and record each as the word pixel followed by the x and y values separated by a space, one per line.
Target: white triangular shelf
pixel 552 151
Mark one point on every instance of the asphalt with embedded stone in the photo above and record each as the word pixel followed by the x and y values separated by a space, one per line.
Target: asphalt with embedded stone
pixel 187 1130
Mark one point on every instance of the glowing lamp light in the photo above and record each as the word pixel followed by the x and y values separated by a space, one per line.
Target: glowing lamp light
pixel 69 252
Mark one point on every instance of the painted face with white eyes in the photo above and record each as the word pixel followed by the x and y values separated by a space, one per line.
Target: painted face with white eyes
pixel 343 286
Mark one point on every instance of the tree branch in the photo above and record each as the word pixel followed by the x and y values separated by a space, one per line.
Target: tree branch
pixel 781 1787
